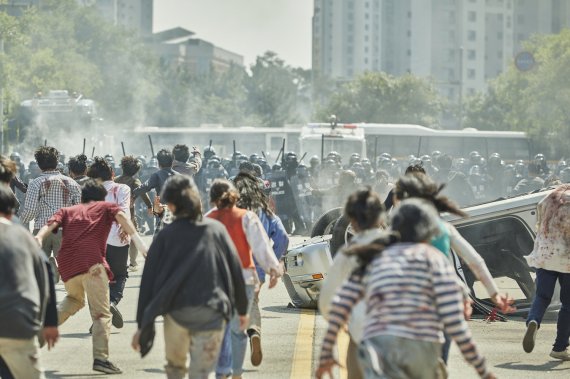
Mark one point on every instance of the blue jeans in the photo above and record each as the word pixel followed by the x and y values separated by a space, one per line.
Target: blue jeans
pixel 234 344
pixel 545 283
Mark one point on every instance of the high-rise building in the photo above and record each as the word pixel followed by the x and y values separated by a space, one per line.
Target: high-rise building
pixel 132 14
pixel 460 44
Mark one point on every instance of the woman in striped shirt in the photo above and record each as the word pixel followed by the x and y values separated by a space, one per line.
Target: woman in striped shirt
pixel 411 294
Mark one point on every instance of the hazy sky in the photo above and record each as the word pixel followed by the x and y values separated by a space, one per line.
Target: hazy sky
pixel 246 27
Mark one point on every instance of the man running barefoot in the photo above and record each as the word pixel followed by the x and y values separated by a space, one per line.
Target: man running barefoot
pixel 82 262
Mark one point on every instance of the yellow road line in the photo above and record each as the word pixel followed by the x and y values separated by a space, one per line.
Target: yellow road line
pixel 342 344
pixel 303 354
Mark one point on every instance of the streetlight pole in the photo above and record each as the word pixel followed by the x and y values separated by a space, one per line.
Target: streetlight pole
pixel 460 87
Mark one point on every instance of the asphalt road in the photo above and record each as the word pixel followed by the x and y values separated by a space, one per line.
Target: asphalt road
pixel 291 340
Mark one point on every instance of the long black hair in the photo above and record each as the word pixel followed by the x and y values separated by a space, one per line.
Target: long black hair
pixel 421 186
pixel 251 193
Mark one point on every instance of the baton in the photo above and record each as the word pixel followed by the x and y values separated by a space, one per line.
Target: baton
pixel 151 146
pixel 278 155
pixel 93 152
pixel 83 146
pixel 45 142
pixel 303 157
pixel 210 145
pixel 123 147
pixel 283 155
pixel 263 153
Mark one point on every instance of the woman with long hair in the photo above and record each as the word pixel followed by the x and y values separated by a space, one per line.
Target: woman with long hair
pixel 412 295
pixel 252 197
pixel 421 186
pixel 365 211
pixel 251 240
pixel 193 277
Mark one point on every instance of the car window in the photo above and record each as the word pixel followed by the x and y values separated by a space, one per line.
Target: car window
pixel 503 243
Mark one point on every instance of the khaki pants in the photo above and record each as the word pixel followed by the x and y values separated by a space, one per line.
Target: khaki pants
pixel 21 357
pixel 94 284
pixel 133 254
pixel 255 315
pixel 204 348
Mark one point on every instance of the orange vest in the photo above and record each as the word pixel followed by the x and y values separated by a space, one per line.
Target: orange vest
pixel 232 218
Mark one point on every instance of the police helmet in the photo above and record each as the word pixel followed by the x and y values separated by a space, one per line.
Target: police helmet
pixel 209 152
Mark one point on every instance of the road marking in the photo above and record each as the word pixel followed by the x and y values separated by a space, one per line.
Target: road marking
pixel 342 345
pixel 303 354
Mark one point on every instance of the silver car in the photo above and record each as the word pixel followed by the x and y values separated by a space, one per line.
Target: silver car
pixel 502 232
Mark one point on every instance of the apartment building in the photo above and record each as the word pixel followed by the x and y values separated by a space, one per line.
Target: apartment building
pixel 460 44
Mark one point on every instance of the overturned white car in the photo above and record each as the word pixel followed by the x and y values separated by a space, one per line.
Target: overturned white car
pixel 502 232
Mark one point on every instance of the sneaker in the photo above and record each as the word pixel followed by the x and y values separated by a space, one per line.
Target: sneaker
pixel 530 336
pixel 117 320
pixel 105 366
pixel 562 355
pixel 255 345
pixel 133 268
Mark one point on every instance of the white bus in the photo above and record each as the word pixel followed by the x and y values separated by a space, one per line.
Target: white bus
pixel 401 140
pixel 248 139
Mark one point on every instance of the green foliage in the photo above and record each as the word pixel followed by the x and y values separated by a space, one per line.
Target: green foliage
pixel 272 90
pixel 376 97
pixel 535 101
pixel 63 45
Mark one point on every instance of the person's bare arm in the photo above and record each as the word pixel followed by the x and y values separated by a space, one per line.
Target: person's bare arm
pixel 129 228
pixel 45 230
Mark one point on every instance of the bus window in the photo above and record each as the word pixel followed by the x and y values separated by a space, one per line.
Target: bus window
pixel 447 145
pixel 510 149
pixel 475 144
pixel 404 146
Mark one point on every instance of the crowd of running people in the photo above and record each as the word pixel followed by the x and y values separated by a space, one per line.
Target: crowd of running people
pixel 217 234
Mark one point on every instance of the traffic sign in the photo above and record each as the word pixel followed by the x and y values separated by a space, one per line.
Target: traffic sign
pixel 524 61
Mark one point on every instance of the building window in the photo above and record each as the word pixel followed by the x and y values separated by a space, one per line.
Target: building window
pixel 471 55
pixel 499 35
pixel 472 16
pixel 451 53
pixel 409 52
pixel 500 54
pixel 520 19
pixel 471 91
pixel 471 73
pixel 365 60
pixel 409 33
pixel 471 35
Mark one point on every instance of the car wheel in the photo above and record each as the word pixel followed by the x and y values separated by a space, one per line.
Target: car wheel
pixel 342 234
pixel 326 222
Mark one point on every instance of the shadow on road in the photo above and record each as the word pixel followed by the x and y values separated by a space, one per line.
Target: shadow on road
pixel 55 375
pixel 547 366
pixel 282 309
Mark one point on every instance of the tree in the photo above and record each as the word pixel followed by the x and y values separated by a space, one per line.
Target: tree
pixel 272 91
pixel 61 45
pixel 376 97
